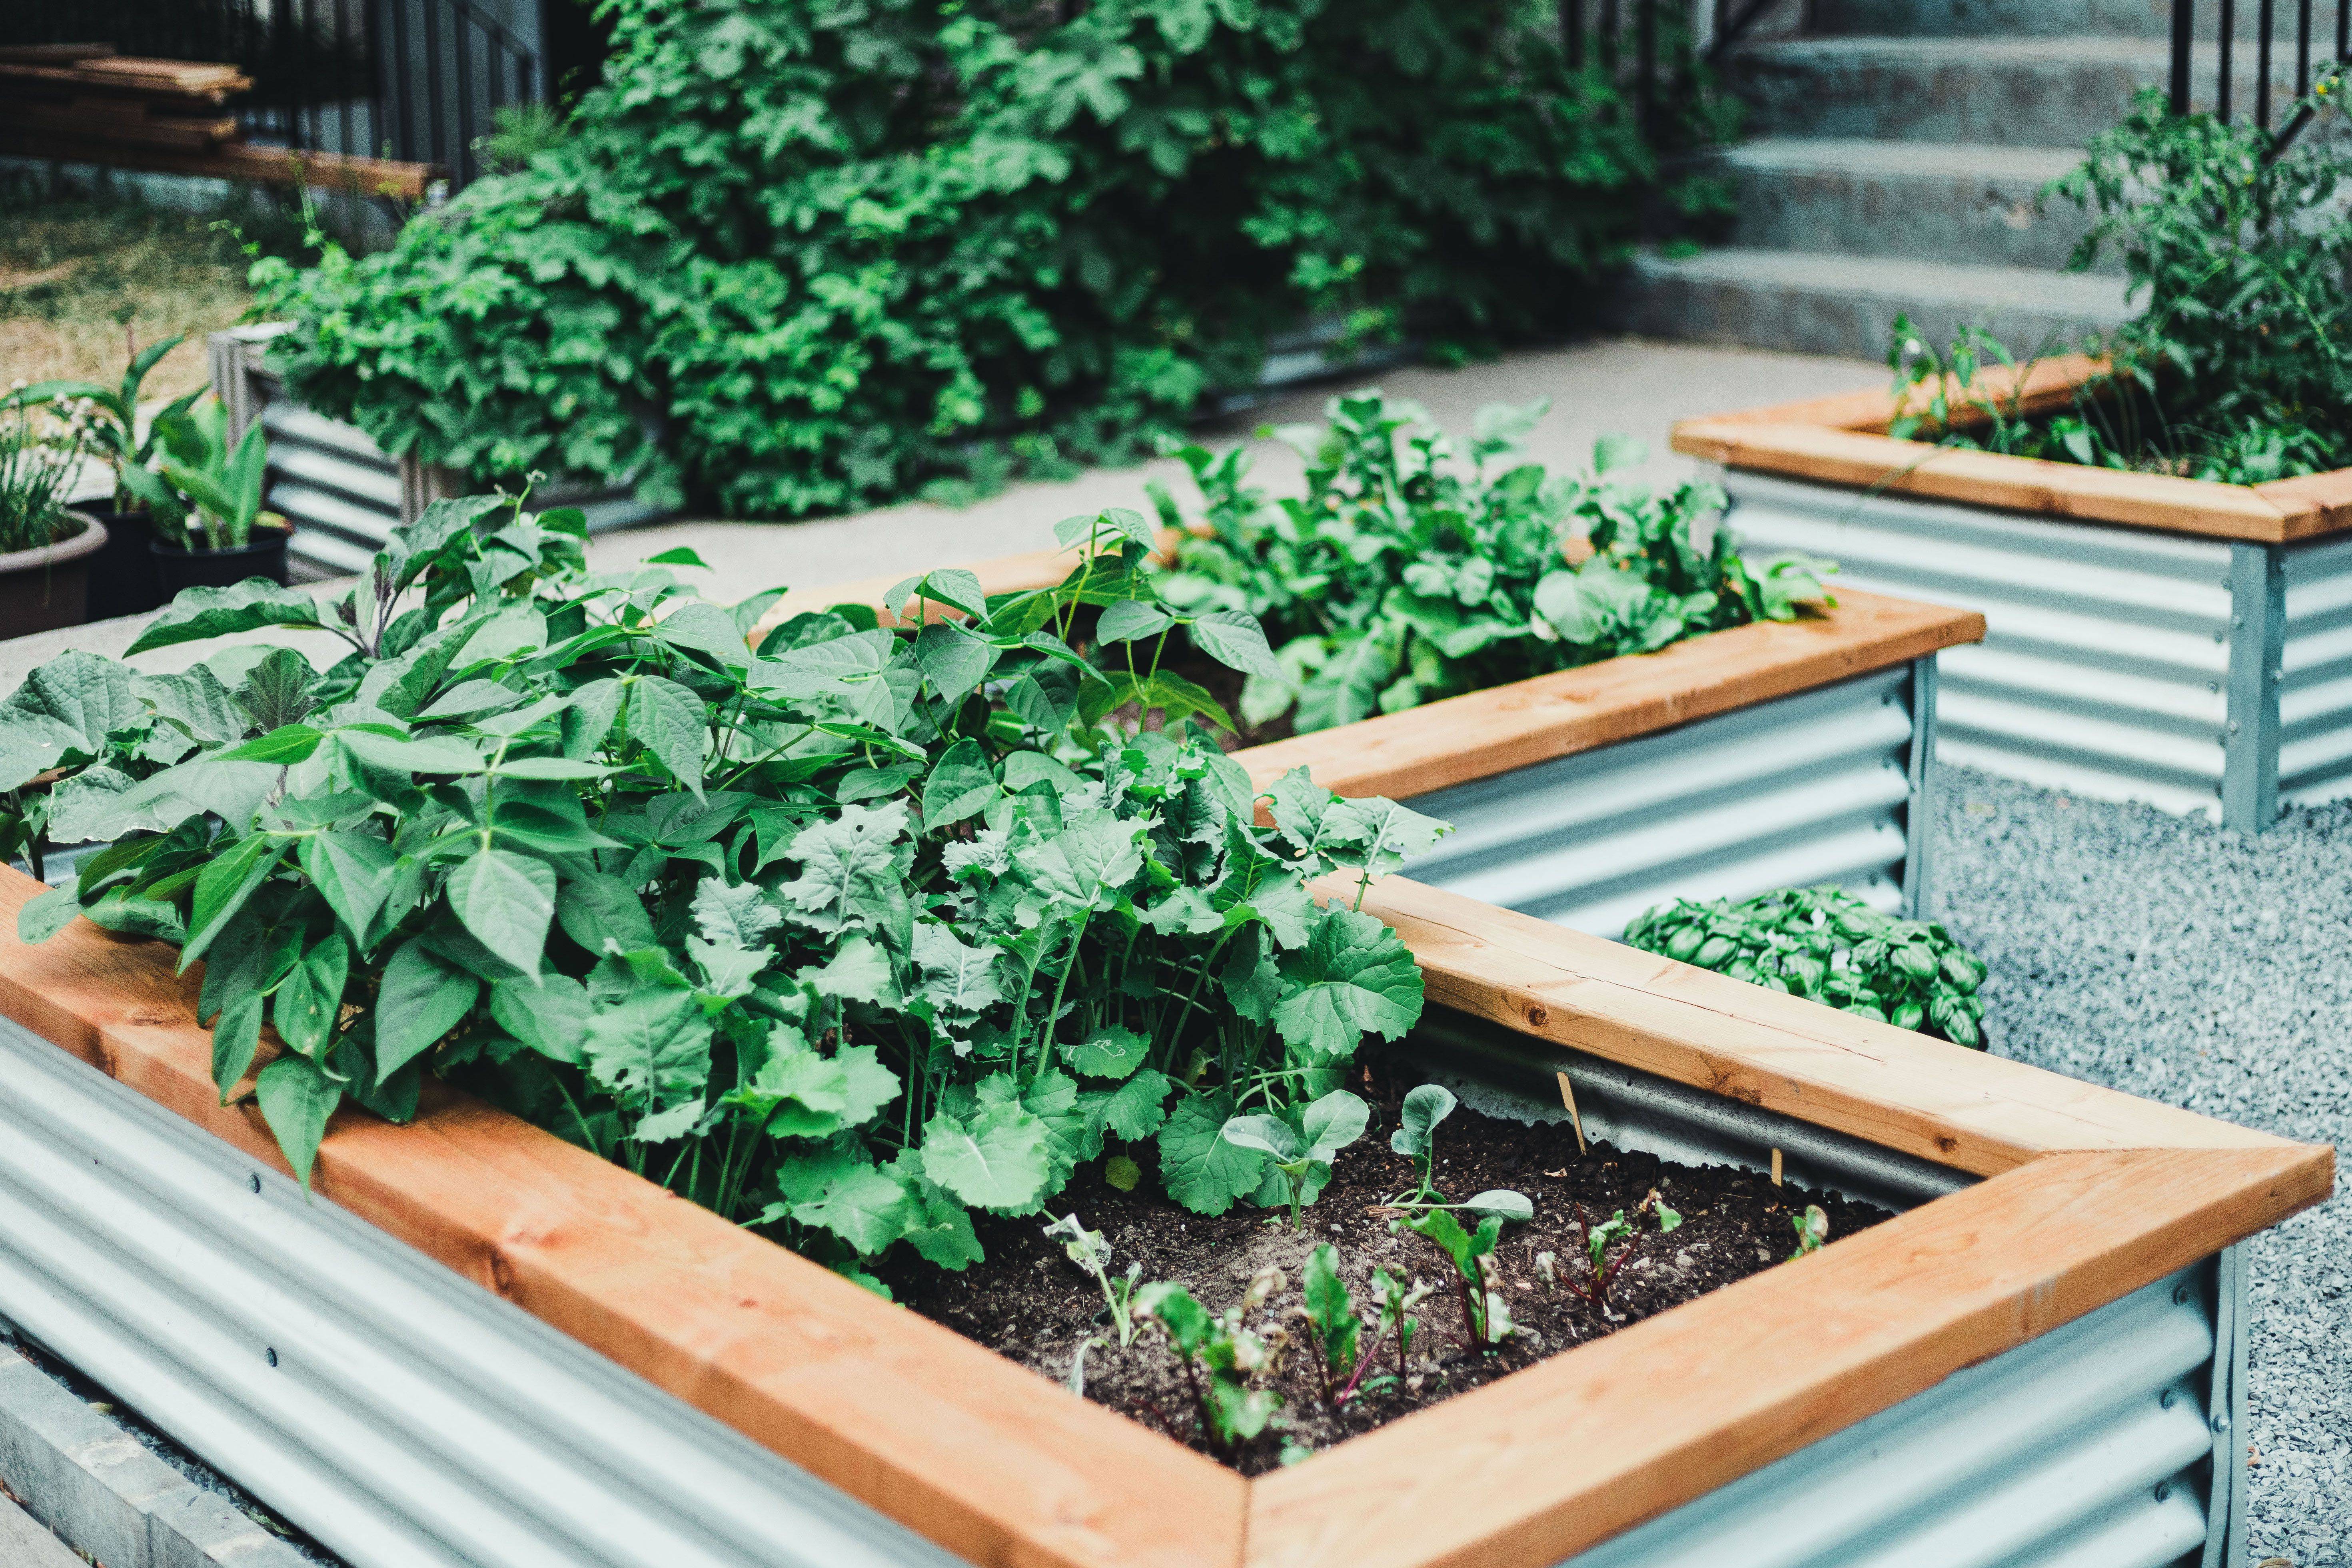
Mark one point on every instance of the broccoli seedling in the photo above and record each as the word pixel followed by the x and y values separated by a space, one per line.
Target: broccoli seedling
pixel 1416 1139
pixel 1090 1251
pixel 1812 1229
pixel 1303 1152
pixel 1232 1412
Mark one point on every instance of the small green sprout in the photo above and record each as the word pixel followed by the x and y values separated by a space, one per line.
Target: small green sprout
pixel 1599 1238
pixel 1332 1323
pixel 1812 1229
pixel 1486 1320
pixel 1090 1251
pixel 1303 1152
pixel 1232 1412
pixel 1416 1139
pixel 1397 1303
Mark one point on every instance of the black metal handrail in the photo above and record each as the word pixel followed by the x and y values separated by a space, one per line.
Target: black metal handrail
pixel 2183 93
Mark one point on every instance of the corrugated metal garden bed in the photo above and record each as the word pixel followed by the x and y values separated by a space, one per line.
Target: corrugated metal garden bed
pixel 2148 637
pixel 1777 754
pixel 485 1345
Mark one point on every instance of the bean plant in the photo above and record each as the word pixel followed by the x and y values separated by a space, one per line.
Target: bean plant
pixel 1824 944
pixel 1411 570
pixel 844 937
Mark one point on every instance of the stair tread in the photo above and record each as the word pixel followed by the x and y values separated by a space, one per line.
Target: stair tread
pixel 1871 156
pixel 2062 47
pixel 2094 298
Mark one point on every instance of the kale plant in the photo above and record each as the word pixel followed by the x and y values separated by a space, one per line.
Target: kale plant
pixel 842 938
pixel 1824 944
pixel 1410 572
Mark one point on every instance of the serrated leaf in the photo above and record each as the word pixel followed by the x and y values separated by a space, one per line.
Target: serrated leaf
pixel 1355 977
pixel 859 971
pixel 1112 1051
pixel 1203 1171
pixel 651 1048
pixel 866 1209
pixel 1138 1108
pixel 958 978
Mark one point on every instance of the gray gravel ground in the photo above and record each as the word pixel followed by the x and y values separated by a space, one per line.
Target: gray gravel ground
pixel 2171 958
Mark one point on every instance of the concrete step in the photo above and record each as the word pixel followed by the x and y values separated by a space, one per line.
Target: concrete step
pixel 1936 201
pixel 2010 92
pixel 2052 18
pixel 1818 302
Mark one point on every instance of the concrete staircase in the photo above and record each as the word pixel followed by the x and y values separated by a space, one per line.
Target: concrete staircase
pixel 1898 149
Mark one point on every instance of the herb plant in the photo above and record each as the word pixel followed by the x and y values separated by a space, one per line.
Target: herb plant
pixel 203 493
pixel 108 418
pixel 841 937
pixel 35 477
pixel 794 257
pixel 1824 944
pixel 1410 571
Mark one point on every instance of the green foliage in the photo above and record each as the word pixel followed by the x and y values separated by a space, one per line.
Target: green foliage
pixel 1301 1145
pixel 1600 1238
pixel 797 256
pixel 1331 1321
pixel 1232 1412
pixel 1404 575
pixel 1824 944
pixel 107 419
pixel 816 934
pixel 1090 1253
pixel 203 493
pixel 1812 1229
pixel 35 479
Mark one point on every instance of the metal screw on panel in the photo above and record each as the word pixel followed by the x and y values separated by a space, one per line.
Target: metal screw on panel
pixel 2233 727
pixel 2164 1401
pixel 2237 621
pixel 2180 1296
pixel 2221 1421
pixel 254 1182
pixel 2163 1491
pixel 269 1355
pixel 2212 686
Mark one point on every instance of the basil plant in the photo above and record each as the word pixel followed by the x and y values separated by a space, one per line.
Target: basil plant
pixel 843 937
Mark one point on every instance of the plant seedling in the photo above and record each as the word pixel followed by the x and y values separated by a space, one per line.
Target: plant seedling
pixel 1416 1139
pixel 1232 1412
pixel 1599 1238
pixel 1090 1251
pixel 1484 1318
pixel 1812 1229
pixel 1397 1303
pixel 1332 1323
pixel 1303 1153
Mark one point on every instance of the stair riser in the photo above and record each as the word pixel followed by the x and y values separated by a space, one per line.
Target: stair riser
pixel 2017 101
pixel 2058 18
pixel 1984 219
pixel 1822 321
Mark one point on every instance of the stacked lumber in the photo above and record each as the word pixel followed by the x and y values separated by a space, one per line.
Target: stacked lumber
pixel 84 104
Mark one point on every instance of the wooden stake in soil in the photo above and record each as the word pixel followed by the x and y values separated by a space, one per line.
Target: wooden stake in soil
pixel 1568 1097
pixel 1776 1167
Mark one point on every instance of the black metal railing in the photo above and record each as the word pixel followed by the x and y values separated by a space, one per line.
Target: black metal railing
pixel 1652 51
pixel 2320 52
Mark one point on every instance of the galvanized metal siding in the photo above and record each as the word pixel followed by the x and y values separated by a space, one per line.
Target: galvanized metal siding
pixel 2105 662
pixel 2088 1447
pixel 1806 790
pixel 409 1418
pixel 2315 696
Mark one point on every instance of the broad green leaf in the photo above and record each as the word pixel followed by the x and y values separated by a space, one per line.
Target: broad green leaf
pixel 1096 852
pixel 1355 977
pixel 1138 1108
pixel 604 914
pixel 1266 1135
pixel 858 972
pixel 297 1098
pixel 1235 639
pixel 1425 1108
pixel 195 701
pixel 423 997
pixel 507 901
pixel 960 785
pixel 224 886
pixel 652 1047
pixel 201 613
pixel 236 1035
pixel 283 746
pixel 997 1161
pixel 277 690
pixel 552 1018
pixel 1205 1172
pixel 866 1209
pixel 1514 1206
pixel 130 916
pixel 1110 1052
pixel 310 997
pixel 1131 621
pixel 852 867
pixel 958 978
pixel 1378 835
pixel 47 914
pixel 1333 1122
pixel 668 720
pixel 953 660
pixel 742 912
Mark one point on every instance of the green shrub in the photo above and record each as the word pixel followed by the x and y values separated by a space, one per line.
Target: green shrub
pixel 821 937
pixel 797 256
pixel 1410 570
pixel 1827 945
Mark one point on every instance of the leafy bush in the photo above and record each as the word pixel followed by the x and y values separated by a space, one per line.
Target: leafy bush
pixel 796 255
pixel 2238 365
pixel 1402 575
pixel 1825 944
pixel 820 937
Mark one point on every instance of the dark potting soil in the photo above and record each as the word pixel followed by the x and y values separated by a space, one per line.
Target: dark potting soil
pixel 1029 1302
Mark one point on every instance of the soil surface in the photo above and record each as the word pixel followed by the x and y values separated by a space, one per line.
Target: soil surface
pixel 1029 1302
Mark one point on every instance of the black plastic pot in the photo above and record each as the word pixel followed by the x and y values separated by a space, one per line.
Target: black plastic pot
pixel 179 568
pixel 46 589
pixel 122 580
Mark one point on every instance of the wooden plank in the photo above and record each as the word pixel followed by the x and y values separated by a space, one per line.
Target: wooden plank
pixel 2159 501
pixel 981 1456
pixel 1567 1453
pixel 64 79
pixel 2314 505
pixel 54 54
pixel 1480 734
pixel 1896 1088
pixel 124 125
pixel 368 176
pixel 2049 385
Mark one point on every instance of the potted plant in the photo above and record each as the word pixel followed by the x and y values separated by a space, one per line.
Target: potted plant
pixel 122 580
pixel 47 548
pixel 205 498
pixel 1612 702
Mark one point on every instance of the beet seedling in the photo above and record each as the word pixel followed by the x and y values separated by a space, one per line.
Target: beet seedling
pixel 1303 1153
pixel 1599 1238
pixel 1090 1251
pixel 1812 1229
pixel 1232 1412
pixel 1486 1318
pixel 1397 1303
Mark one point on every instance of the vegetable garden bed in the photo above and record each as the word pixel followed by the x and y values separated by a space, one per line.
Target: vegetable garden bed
pixel 2150 637
pixel 404 1416
pixel 1770 755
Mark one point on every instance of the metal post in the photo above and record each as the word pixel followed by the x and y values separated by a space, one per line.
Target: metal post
pixel 2342 30
pixel 433 121
pixel 2257 640
pixel 2225 1413
pixel 2263 69
pixel 2183 44
pixel 2302 47
pixel 343 43
pixel 1919 816
pixel 2228 40
pixel 396 77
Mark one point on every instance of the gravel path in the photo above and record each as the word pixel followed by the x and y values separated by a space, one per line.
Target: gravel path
pixel 2171 958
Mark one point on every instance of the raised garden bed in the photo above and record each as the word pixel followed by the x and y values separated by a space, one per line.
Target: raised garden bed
pixel 402 1415
pixel 1772 754
pixel 2148 637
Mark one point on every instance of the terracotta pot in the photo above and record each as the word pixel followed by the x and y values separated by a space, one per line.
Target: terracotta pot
pixel 42 590
pixel 263 557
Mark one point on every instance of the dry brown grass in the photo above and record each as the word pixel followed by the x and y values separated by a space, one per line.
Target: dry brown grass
pixel 81 279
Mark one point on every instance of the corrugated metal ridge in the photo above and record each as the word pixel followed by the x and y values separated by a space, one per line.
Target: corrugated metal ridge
pixel 413 1420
